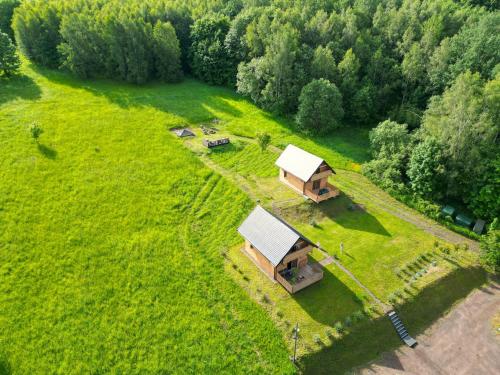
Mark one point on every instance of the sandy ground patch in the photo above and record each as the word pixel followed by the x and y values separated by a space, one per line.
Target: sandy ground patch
pixel 463 342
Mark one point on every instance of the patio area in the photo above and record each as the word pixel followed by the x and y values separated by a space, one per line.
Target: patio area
pixel 302 277
pixel 320 195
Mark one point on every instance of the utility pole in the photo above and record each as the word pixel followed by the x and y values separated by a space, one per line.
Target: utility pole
pixel 296 338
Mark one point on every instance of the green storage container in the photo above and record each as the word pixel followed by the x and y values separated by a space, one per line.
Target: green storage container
pixel 448 211
pixel 463 220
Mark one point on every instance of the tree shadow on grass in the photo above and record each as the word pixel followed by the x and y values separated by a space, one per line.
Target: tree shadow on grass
pixel 348 214
pixel 18 87
pixel 47 151
pixel 5 368
pixel 368 340
pixel 328 300
pixel 349 141
pixel 189 100
pixel 197 103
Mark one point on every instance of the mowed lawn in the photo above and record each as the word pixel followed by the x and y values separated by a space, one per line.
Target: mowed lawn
pixel 111 235
pixel 383 251
pixel 377 244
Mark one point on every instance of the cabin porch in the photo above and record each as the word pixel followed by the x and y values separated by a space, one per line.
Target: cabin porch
pixel 296 279
pixel 323 193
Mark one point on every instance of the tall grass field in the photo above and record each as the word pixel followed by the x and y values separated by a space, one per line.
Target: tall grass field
pixel 110 238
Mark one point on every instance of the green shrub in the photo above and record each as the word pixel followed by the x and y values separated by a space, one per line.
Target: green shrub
pixel 35 131
pixel 490 248
pixel 392 298
pixel 263 139
pixel 339 327
pixel 371 309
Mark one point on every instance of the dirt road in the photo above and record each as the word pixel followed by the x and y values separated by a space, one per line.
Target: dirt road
pixel 462 343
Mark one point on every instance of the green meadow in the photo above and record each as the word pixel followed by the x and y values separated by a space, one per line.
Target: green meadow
pixel 110 240
pixel 118 243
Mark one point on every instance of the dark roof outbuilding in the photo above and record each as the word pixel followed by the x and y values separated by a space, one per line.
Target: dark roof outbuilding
pixel 183 132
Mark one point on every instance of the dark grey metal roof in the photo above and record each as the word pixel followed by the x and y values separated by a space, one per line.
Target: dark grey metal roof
pixel 272 236
pixel 183 132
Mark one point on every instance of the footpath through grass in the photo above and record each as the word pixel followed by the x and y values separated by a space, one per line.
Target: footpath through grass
pixel 110 238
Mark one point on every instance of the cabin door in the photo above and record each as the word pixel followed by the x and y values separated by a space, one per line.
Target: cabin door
pixel 316 184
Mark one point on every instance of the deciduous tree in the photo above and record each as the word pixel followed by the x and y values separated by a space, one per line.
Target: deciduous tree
pixel 320 107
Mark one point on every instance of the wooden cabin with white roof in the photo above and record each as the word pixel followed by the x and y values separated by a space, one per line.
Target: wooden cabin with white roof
pixel 306 173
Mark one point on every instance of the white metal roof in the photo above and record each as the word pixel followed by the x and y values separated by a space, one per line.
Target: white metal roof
pixel 270 235
pixel 298 162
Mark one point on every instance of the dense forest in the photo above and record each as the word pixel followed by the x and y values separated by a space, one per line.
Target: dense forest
pixel 426 71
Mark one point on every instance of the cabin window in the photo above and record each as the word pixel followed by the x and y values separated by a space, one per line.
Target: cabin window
pixel 316 184
pixel 284 173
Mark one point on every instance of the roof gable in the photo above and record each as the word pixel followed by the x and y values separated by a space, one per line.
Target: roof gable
pixel 270 235
pixel 299 162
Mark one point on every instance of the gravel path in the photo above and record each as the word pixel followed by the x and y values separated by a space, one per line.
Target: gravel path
pixel 461 343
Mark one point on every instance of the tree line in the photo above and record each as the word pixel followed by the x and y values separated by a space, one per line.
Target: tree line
pixel 131 41
pixel 426 70
pixel 453 155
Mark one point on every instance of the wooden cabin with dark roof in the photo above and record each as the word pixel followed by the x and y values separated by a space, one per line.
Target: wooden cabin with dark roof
pixel 279 250
pixel 306 173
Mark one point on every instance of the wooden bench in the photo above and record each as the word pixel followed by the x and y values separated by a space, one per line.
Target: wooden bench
pixel 215 143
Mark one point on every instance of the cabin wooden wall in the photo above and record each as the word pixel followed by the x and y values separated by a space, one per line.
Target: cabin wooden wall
pixel 300 255
pixel 292 180
pixel 260 259
pixel 323 182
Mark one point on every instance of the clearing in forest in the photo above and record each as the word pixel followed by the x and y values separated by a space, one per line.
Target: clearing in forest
pixel 119 251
